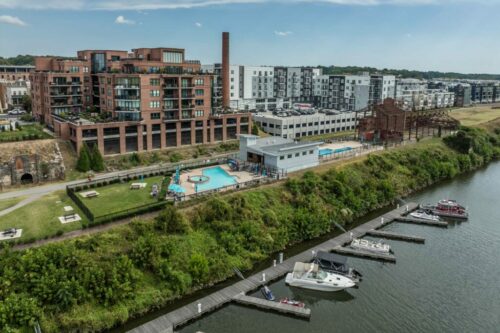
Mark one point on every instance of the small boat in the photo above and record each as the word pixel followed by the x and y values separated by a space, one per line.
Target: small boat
pixel 288 301
pixel 268 294
pixel 425 215
pixel 367 245
pixel 447 208
pixel 310 276
pixel 336 263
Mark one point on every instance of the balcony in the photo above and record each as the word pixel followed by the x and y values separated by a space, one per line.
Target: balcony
pixel 188 96
pixel 128 97
pixel 171 116
pixel 170 86
pixel 127 87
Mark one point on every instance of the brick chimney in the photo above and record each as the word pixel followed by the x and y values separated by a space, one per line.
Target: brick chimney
pixel 225 70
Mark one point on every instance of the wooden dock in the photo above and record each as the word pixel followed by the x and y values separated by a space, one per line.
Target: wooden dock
pixel 168 322
pixel 392 235
pixel 365 254
pixel 272 305
pixel 421 221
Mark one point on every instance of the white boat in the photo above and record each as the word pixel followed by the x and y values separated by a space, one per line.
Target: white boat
pixel 366 245
pixel 420 214
pixel 310 276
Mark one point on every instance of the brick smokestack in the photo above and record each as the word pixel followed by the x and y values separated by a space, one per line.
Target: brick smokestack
pixel 225 70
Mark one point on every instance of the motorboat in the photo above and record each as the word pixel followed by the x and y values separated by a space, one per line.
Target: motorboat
pixel 425 215
pixel 310 276
pixel 447 208
pixel 292 302
pixel 367 245
pixel 268 294
pixel 336 263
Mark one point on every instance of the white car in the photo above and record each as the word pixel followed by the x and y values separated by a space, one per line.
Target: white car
pixel 16 112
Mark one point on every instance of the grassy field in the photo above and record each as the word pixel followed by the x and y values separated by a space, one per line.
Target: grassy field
pixel 475 115
pixel 27 132
pixel 7 203
pixel 118 197
pixel 39 219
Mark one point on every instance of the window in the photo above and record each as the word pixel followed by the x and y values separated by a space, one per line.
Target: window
pixel 311 152
pixel 282 157
pixel 289 156
pixel 154 104
pixel 199 92
pixel 74 69
pixel 154 93
pixel 154 82
pixel 199 102
pixel 297 154
pixel 198 113
pixel 172 57
pixel 155 115
pixel 199 82
pixel 304 153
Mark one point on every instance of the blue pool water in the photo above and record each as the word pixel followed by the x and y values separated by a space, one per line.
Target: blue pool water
pixel 329 151
pixel 218 178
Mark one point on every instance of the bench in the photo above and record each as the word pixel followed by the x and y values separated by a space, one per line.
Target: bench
pixel 91 195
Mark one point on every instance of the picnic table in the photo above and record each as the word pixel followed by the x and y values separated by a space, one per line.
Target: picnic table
pixel 69 212
pixel 137 186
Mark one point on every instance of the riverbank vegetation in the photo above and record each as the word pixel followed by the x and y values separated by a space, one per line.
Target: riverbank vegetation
pixel 94 283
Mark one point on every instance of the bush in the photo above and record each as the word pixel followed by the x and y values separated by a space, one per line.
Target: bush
pixel 83 163
pixel 175 157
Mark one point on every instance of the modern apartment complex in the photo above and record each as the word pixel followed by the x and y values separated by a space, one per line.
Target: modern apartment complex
pixel 151 98
pixel 342 92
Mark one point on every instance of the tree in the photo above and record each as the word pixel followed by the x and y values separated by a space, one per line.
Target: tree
pixel 255 129
pixel 96 160
pixel 26 102
pixel 171 221
pixel 83 163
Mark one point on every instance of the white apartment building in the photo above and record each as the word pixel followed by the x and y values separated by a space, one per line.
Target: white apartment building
pixel 381 87
pixel 342 92
pixel 405 85
pixel 427 99
pixel 290 127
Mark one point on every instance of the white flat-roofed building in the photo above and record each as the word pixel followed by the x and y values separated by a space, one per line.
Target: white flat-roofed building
pixel 289 126
pixel 279 153
pixel 427 99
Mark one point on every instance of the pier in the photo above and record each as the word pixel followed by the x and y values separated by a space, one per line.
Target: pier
pixel 421 221
pixel 271 305
pixel 392 235
pixel 168 322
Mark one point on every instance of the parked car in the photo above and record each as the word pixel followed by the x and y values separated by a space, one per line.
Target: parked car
pixel 9 232
pixel 16 112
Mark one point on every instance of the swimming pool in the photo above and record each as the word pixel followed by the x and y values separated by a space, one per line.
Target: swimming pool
pixel 218 178
pixel 329 151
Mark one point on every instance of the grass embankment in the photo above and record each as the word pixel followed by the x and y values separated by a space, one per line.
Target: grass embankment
pixel 475 115
pixel 40 219
pixel 93 283
pixel 119 197
pixel 26 132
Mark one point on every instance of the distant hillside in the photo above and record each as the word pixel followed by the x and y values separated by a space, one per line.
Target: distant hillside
pixel 334 70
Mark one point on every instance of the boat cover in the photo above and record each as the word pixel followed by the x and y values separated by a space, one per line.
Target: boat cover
pixel 301 267
pixel 331 261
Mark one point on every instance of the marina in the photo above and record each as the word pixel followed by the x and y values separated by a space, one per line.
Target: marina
pixel 392 235
pixel 273 306
pixel 182 316
pixel 413 220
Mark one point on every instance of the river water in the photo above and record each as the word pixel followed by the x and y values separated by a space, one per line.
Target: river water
pixel 449 284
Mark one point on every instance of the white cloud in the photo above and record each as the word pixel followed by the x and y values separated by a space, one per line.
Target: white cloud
pixel 198 24
pixel 12 20
pixel 122 20
pixel 283 33
pixel 141 5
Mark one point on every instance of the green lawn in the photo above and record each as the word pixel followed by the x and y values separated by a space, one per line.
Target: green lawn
pixel 39 219
pixel 27 132
pixel 7 203
pixel 118 197
pixel 475 115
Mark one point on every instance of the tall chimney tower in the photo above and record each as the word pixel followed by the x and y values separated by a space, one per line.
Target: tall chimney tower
pixel 225 71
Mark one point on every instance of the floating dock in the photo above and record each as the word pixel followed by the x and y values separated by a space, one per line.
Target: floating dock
pixel 392 235
pixel 421 221
pixel 168 322
pixel 272 305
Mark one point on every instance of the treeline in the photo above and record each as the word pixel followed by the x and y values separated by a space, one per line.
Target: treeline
pixel 94 283
pixel 22 60
pixel 404 73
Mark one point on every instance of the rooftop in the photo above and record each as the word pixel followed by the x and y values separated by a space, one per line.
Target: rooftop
pixel 276 145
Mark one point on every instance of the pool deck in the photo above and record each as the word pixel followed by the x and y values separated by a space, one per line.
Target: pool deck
pixel 339 145
pixel 240 176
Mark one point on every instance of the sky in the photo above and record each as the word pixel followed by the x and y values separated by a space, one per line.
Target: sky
pixel 443 35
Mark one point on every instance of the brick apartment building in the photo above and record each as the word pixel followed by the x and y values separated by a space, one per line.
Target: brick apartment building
pixel 151 98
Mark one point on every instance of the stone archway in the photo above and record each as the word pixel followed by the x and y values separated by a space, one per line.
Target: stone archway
pixel 27 178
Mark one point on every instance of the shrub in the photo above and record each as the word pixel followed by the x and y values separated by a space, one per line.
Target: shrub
pixel 83 163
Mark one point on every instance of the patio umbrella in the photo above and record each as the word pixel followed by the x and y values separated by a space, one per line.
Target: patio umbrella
pixel 176 188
